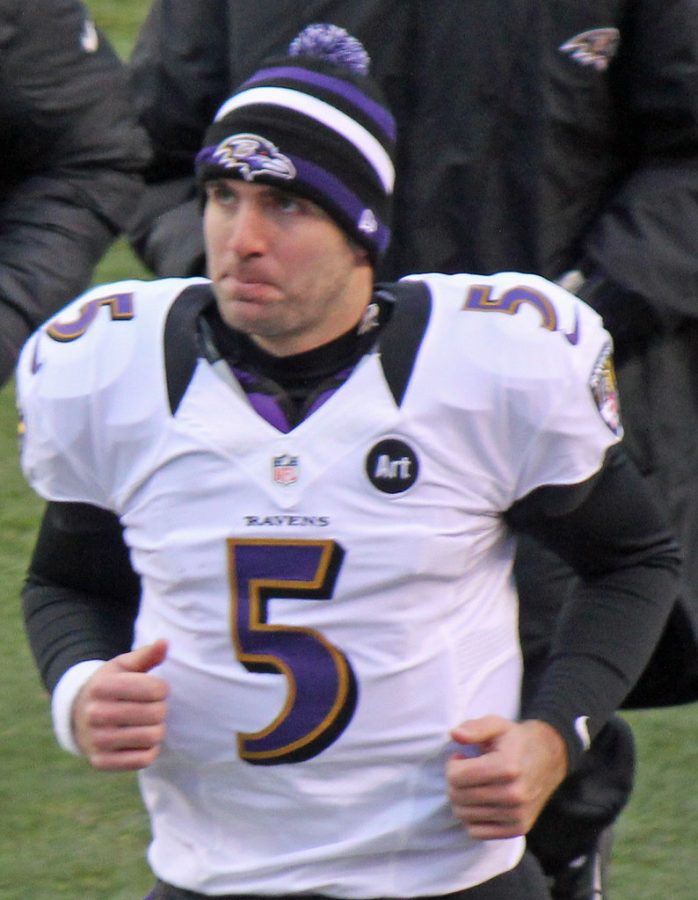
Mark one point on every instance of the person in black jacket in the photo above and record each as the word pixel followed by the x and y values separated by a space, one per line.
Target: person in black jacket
pixel 72 153
pixel 557 138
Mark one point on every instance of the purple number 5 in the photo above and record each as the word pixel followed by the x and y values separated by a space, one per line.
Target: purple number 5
pixel 322 691
pixel 120 308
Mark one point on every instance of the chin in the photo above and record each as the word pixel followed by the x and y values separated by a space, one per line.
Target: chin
pixel 246 317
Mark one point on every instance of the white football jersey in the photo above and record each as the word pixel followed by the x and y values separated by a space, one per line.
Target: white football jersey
pixel 338 598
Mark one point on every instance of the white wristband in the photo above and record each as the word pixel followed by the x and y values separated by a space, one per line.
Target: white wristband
pixel 64 695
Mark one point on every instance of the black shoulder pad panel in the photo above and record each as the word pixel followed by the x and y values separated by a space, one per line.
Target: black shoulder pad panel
pixel 180 341
pixel 402 337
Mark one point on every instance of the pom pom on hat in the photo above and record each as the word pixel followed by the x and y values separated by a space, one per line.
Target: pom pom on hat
pixel 313 123
pixel 334 44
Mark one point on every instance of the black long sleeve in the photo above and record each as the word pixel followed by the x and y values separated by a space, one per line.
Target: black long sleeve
pixel 608 529
pixel 81 595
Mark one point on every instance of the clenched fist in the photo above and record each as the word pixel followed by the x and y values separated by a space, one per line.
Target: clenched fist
pixel 500 792
pixel 119 715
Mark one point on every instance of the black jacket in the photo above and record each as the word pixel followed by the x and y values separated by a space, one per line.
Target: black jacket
pixel 512 154
pixel 539 136
pixel 71 153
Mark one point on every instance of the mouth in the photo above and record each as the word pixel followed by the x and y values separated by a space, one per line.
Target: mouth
pixel 246 289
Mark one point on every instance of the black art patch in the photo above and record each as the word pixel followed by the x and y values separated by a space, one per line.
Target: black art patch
pixel 392 466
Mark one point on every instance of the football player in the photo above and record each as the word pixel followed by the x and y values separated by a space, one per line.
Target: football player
pixel 275 569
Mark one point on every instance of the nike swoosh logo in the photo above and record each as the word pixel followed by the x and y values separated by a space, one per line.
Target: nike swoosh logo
pixel 36 363
pixel 581 726
pixel 572 337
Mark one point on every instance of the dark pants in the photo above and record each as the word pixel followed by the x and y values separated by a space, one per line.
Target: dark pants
pixel 525 882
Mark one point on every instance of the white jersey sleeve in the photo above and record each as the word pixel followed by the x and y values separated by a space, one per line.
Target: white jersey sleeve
pixel 93 374
pixel 530 367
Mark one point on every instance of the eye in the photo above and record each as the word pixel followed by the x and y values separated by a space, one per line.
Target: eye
pixel 288 203
pixel 221 191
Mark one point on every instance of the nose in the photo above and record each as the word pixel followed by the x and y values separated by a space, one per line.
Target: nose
pixel 248 231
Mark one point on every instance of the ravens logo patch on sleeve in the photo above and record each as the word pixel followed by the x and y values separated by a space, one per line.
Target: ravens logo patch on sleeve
pixel 604 390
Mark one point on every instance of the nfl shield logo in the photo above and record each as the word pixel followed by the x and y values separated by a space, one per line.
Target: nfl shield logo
pixel 285 469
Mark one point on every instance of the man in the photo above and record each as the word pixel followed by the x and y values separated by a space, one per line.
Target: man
pixel 72 156
pixel 548 137
pixel 318 480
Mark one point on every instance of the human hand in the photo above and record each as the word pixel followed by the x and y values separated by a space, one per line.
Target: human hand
pixel 500 792
pixel 119 714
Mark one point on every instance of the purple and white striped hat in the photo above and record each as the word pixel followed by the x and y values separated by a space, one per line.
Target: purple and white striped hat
pixel 316 124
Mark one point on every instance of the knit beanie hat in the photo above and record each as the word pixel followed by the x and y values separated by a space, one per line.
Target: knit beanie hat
pixel 313 123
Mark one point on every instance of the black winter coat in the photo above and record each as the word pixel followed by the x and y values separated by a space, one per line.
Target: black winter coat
pixel 71 154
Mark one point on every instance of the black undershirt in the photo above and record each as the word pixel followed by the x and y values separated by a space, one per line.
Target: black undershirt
pixel 295 380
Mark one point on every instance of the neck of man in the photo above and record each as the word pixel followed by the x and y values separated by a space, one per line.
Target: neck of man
pixel 294 382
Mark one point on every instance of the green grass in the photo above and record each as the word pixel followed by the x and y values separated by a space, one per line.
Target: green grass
pixel 119 19
pixel 656 856
pixel 67 833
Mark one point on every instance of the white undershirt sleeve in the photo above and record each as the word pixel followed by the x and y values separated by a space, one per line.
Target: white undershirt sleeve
pixel 63 698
